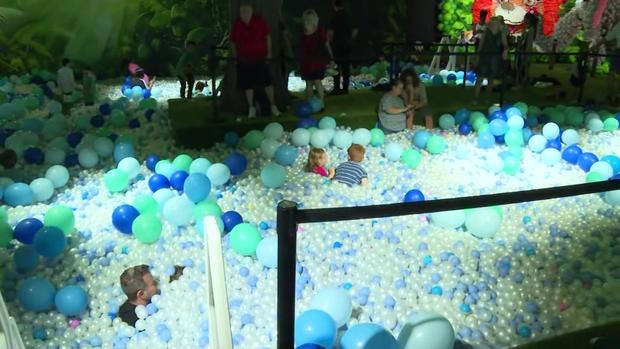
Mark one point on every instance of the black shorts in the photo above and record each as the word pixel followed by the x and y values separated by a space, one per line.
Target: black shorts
pixel 315 75
pixel 253 74
pixel 614 62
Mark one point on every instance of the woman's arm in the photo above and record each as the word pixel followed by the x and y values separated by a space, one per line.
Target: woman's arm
pixel 423 98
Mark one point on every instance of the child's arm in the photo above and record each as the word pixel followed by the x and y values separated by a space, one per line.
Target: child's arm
pixel 331 173
pixel 364 181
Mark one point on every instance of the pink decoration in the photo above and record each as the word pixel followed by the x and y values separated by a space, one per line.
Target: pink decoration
pixel 74 323
pixel 598 14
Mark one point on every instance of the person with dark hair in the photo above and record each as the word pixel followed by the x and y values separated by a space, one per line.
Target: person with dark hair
pixel 525 45
pixel 414 94
pixel 394 115
pixel 139 286
pixel 250 40
pixel 186 67
pixel 341 34
pixel 492 52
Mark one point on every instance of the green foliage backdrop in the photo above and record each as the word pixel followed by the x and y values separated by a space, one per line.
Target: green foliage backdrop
pixel 38 33
pixel 455 17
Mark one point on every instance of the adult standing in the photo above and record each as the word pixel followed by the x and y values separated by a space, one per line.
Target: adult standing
pixel 251 45
pixel 315 51
pixel 341 35
pixel 186 68
pixel 394 116
pixel 492 52
pixel 613 47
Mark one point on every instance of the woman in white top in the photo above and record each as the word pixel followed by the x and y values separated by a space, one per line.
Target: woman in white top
pixel 414 93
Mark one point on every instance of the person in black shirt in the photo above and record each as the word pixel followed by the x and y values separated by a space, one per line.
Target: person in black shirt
pixel 340 36
pixel 139 287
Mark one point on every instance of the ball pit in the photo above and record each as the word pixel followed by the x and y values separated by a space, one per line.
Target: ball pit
pixel 487 277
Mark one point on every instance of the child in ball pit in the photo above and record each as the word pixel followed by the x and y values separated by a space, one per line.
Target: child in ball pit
pixel 317 159
pixel 351 172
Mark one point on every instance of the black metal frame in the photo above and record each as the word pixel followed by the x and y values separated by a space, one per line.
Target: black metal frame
pixel 289 216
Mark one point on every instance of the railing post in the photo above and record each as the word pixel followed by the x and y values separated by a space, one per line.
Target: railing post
pixel 287 259
pixel 466 64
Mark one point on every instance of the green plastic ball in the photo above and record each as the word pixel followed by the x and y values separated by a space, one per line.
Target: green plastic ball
pixel 207 208
pixel 182 162
pixel 594 177
pixel 244 239
pixel 61 217
pixel 6 234
pixel 610 124
pixel 146 228
pixel 253 139
pixel 411 158
pixel 376 137
pixel 116 181
pixel 436 144
pixel 145 204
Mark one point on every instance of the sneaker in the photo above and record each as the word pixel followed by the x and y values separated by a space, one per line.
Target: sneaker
pixel 252 113
pixel 275 111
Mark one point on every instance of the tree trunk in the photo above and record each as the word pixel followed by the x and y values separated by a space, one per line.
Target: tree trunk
pixel 233 99
pixel 422 20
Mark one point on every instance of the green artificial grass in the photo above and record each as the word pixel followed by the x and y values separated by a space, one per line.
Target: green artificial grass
pixel 195 125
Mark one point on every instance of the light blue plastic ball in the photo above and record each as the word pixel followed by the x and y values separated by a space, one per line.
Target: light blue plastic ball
pixel 614 161
pixel 603 168
pixel 36 294
pixel 393 151
pixel 446 122
pixel 197 187
pixel 42 189
pixel 320 139
pixel 336 302
pixel 103 146
pixel 71 300
pixel 551 131
pixel 268 147
pixel 218 174
pixel 273 130
pixel 123 150
pixel 58 174
pixel 448 219
pixel 486 140
pixel 368 336
pixel 516 122
pixel 88 158
pixel 130 166
pixel 612 197
pixel 343 139
pixel 498 127
pixel 514 112
pixel 199 165
pixel 315 327
pixel 162 196
pixel 551 156
pixel 286 155
pixel 55 156
pixel 426 330
pixel 267 252
pixel 273 175
pixel 570 137
pixel 537 143
pixel 300 137
pixel 327 122
pixel 178 211
pixel 420 138
pixel 18 194
pixel 483 222
pixel 595 125
pixel 166 168
pixel 361 136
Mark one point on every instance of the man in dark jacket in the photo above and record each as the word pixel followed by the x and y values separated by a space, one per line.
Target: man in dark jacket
pixel 341 34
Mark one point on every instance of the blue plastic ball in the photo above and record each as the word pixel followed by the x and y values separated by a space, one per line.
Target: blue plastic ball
pixel 498 115
pixel 486 140
pixel 105 109
pixel 36 294
pixel 18 194
pixel 123 217
pixel 74 138
pixel 420 138
pixel 498 127
pixel 34 155
pixel 71 300
pixel 26 229
pixel 368 336
pixel 555 143
pixel 307 122
pixel 197 187
pixel 461 116
pixel 25 258
pixel 316 327
pixel 237 163
pixel 267 252
pixel 123 150
pixel 586 160
pixel 231 219
pixel 134 123
pixel 303 110
pixel 571 154
pixel 151 161
pixel 72 160
pixel 157 182
pixel 50 242
pixel 613 161
pixel 285 155
pixel 414 196
pixel 177 180
pixel 465 129
pixel 231 139
pixel 97 121
pixel 531 121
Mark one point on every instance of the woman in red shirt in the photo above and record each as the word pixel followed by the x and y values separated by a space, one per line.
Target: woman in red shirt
pixel 315 52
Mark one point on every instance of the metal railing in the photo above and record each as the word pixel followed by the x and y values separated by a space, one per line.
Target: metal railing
pixel 289 216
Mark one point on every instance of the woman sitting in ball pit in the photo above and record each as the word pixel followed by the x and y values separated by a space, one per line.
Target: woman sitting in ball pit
pixel 394 116
pixel 317 159
pixel 414 94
